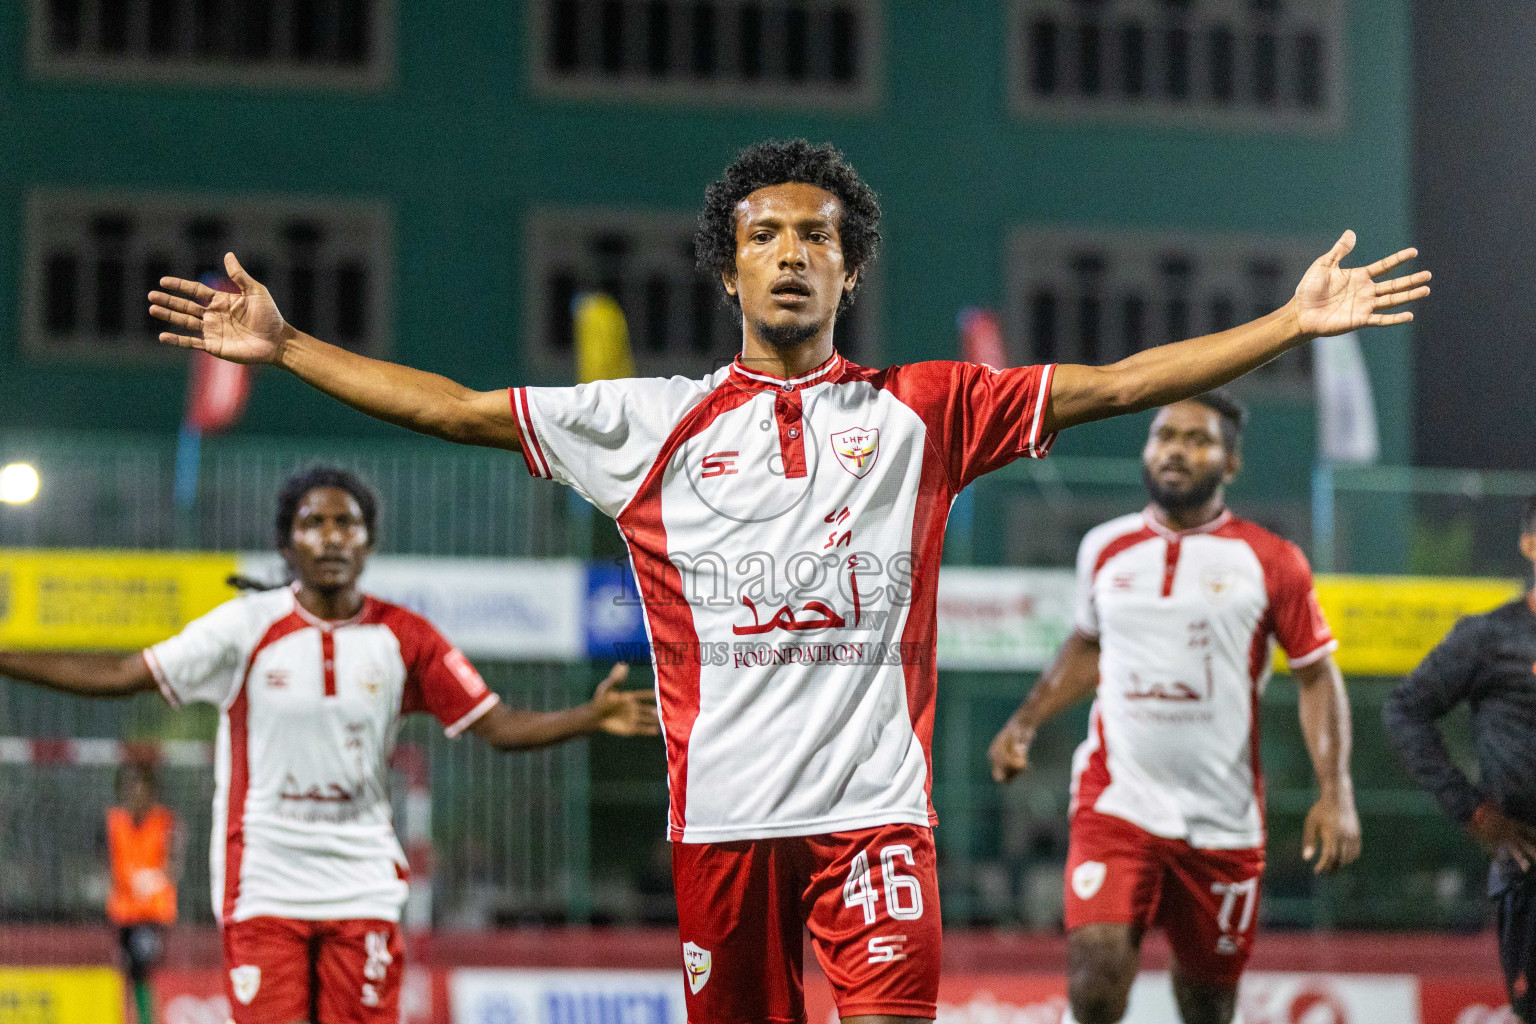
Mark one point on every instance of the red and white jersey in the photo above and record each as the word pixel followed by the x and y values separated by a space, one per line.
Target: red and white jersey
pixel 1185 622
pixel 786 537
pixel 309 711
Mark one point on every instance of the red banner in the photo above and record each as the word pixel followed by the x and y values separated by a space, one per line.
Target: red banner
pixel 1464 1001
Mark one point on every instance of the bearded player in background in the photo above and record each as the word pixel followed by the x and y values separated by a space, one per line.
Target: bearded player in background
pixel 1177 608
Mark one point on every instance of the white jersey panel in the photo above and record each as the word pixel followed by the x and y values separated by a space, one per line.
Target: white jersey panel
pixel 602 438
pixel 828 741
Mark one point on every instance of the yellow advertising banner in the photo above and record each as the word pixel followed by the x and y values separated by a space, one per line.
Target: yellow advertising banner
pixel 105 600
pixel 62 995
pixel 1387 624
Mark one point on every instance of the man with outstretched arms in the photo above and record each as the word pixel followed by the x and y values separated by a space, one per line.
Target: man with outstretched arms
pixel 1177 609
pixel 311 681
pixel 785 517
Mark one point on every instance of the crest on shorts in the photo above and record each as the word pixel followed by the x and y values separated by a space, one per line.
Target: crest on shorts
pixel 857 449
pixel 1088 878
pixel 696 963
pixel 245 981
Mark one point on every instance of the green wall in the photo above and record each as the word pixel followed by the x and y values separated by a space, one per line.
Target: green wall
pixel 462 151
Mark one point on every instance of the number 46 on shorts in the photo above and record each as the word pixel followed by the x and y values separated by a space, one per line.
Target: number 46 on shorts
pixel 903 893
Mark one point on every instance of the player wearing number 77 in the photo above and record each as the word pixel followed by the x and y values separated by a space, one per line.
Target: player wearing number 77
pixel 1177 607
pixel 798 763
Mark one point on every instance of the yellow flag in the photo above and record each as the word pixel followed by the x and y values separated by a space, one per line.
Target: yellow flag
pixel 602 339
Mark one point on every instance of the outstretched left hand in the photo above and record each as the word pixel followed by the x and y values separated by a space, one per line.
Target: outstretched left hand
pixel 1334 300
pixel 1331 835
pixel 625 712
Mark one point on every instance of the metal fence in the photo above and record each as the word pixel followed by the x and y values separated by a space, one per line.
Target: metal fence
pixel 509 831
pixel 104 491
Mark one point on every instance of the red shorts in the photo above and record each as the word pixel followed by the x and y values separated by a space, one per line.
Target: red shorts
pixel 346 972
pixel 870 900
pixel 1206 901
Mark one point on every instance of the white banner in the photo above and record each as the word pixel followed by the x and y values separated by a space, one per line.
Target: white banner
pixel 1003 618
pixel 524 608
pixel 1272 998
pixel 494 996
pixel 1346 410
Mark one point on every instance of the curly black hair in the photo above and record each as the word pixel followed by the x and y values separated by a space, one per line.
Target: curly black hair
pixel 1234 416
pixel 776 162
pixel 300 484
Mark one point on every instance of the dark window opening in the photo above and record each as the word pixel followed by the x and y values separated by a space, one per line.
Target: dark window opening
pixel 1042 50
pixel 1266 71
pixel 658 37
pixel 1042 325
pixel 1176 70
pixel 1222 48
pixel 611 36
pixel 60 290
pixel 657 296
pixel 845 51
pixel 1089 59
pixel 1309 70
pixel 1133 59
pixel 563 38
pixel 749 40
pixel 703 38
pixel 562 324
pixel 797 42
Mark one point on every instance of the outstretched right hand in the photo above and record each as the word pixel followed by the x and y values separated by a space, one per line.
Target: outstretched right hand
pixel 1009 752
pixel 243 327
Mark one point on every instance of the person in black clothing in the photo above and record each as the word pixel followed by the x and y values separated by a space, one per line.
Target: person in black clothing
pixel 1489 661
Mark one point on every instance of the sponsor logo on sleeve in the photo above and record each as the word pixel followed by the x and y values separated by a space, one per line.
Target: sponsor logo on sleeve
pixel 1088 879
pixel 697 963
pixel 465 673
pixel 246 981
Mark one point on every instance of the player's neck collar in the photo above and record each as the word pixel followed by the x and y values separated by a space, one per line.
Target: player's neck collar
pixel 327 624
pixel 757 379
pixel 1169 533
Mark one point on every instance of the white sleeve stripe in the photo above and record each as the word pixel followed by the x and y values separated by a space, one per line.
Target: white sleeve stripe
pixel 1313 657
pixel 533 453
pixel 1035 445
pixel 160 679
pixel 475 714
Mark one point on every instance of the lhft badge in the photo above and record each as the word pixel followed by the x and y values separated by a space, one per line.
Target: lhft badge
pixel 857 449
pixel 696 962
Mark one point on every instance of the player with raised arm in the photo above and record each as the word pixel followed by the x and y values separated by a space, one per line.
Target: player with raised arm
pixel 311 681
pixel 1177 609
pixel 785 516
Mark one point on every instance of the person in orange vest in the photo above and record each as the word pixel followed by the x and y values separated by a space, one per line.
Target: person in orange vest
pixel 144 852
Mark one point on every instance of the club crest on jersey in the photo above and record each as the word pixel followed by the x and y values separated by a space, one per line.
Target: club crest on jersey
pixel 857 449
pixel 1218 581
pixel 696 963
pixel 246 981
pixel 1088 878
pixel 371 678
